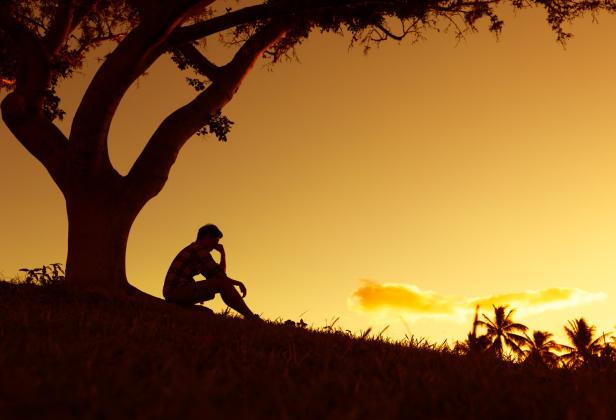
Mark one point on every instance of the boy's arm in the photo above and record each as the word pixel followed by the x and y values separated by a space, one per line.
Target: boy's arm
pixel 223 267
pixel 223 261
pixel 223 257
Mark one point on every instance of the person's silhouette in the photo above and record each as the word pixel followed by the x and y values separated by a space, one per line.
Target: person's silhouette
pixel 181 288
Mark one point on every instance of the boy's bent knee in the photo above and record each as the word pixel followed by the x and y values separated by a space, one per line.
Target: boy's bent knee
pixel 221 284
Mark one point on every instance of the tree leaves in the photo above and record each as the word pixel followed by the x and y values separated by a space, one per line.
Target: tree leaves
pixel 219 125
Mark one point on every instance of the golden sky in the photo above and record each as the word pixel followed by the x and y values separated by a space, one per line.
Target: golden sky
pixel 396 188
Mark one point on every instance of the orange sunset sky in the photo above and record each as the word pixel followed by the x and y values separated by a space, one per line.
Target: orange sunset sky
pixel 396 188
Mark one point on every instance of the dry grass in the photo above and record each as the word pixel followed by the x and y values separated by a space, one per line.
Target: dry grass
pixel 66 355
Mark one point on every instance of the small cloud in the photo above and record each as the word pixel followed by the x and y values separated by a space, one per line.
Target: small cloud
pixel 410 300
pixel 373 297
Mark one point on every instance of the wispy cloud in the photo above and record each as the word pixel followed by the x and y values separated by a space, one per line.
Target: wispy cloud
pixel 410 300
pixel 536 301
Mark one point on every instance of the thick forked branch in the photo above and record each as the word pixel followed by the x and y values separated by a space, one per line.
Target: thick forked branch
pixel 37 134
pixel 141 47
pixel 151 169
pixel 21 109
pixel 199 61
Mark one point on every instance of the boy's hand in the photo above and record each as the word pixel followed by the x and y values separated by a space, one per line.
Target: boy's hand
pixel 242 288
pixel 219 248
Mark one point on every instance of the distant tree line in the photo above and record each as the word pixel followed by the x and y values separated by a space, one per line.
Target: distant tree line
pixel 508 340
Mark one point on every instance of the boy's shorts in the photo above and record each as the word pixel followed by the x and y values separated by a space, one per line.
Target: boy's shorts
pixel 191 293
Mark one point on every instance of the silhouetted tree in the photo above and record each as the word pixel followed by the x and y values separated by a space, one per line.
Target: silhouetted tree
pixel 45 41
pixel 474 344
pixel 502 331
pixel 585 348
pixel 607 355
pixel 540 349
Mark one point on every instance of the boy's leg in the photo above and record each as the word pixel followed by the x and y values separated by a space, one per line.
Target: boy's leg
pixel 189 294
pixel 227 291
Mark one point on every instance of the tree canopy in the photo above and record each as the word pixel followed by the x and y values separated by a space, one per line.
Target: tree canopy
pixel 62 33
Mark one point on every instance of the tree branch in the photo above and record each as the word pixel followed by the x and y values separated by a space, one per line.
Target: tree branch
pixel 37 134
pixel 21 109
pixel 197 60
pixel 389 34
pixel 139 49
pixel 267 11
pixel 33 72
pixel 220 23
pixel 62 25
pixel 151 169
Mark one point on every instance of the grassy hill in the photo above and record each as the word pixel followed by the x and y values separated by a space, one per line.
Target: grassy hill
pixel 66 355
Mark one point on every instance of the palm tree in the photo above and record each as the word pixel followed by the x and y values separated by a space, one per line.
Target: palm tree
pixel 473 344
pixel 585 348
pixel 539 349
pixel 608 351
pixel 502 331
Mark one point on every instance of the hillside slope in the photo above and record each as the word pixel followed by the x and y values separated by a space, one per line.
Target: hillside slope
pixel 66 355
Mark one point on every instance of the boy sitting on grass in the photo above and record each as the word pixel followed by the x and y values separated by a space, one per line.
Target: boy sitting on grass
pixel 181 288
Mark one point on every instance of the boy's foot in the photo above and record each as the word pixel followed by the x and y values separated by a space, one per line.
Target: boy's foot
pixel 254 317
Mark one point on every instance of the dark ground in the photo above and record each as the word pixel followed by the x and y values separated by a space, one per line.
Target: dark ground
pixel 74 356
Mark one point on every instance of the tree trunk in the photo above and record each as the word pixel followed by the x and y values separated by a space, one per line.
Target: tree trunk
pixel 98 226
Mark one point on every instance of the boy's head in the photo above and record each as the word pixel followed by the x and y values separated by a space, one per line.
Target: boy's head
pixel 208 236
pixel 209 231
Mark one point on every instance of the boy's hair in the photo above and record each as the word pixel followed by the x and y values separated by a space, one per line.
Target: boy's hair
pixel 209 230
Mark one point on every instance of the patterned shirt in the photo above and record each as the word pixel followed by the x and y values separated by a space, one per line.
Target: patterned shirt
pixel 190 261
